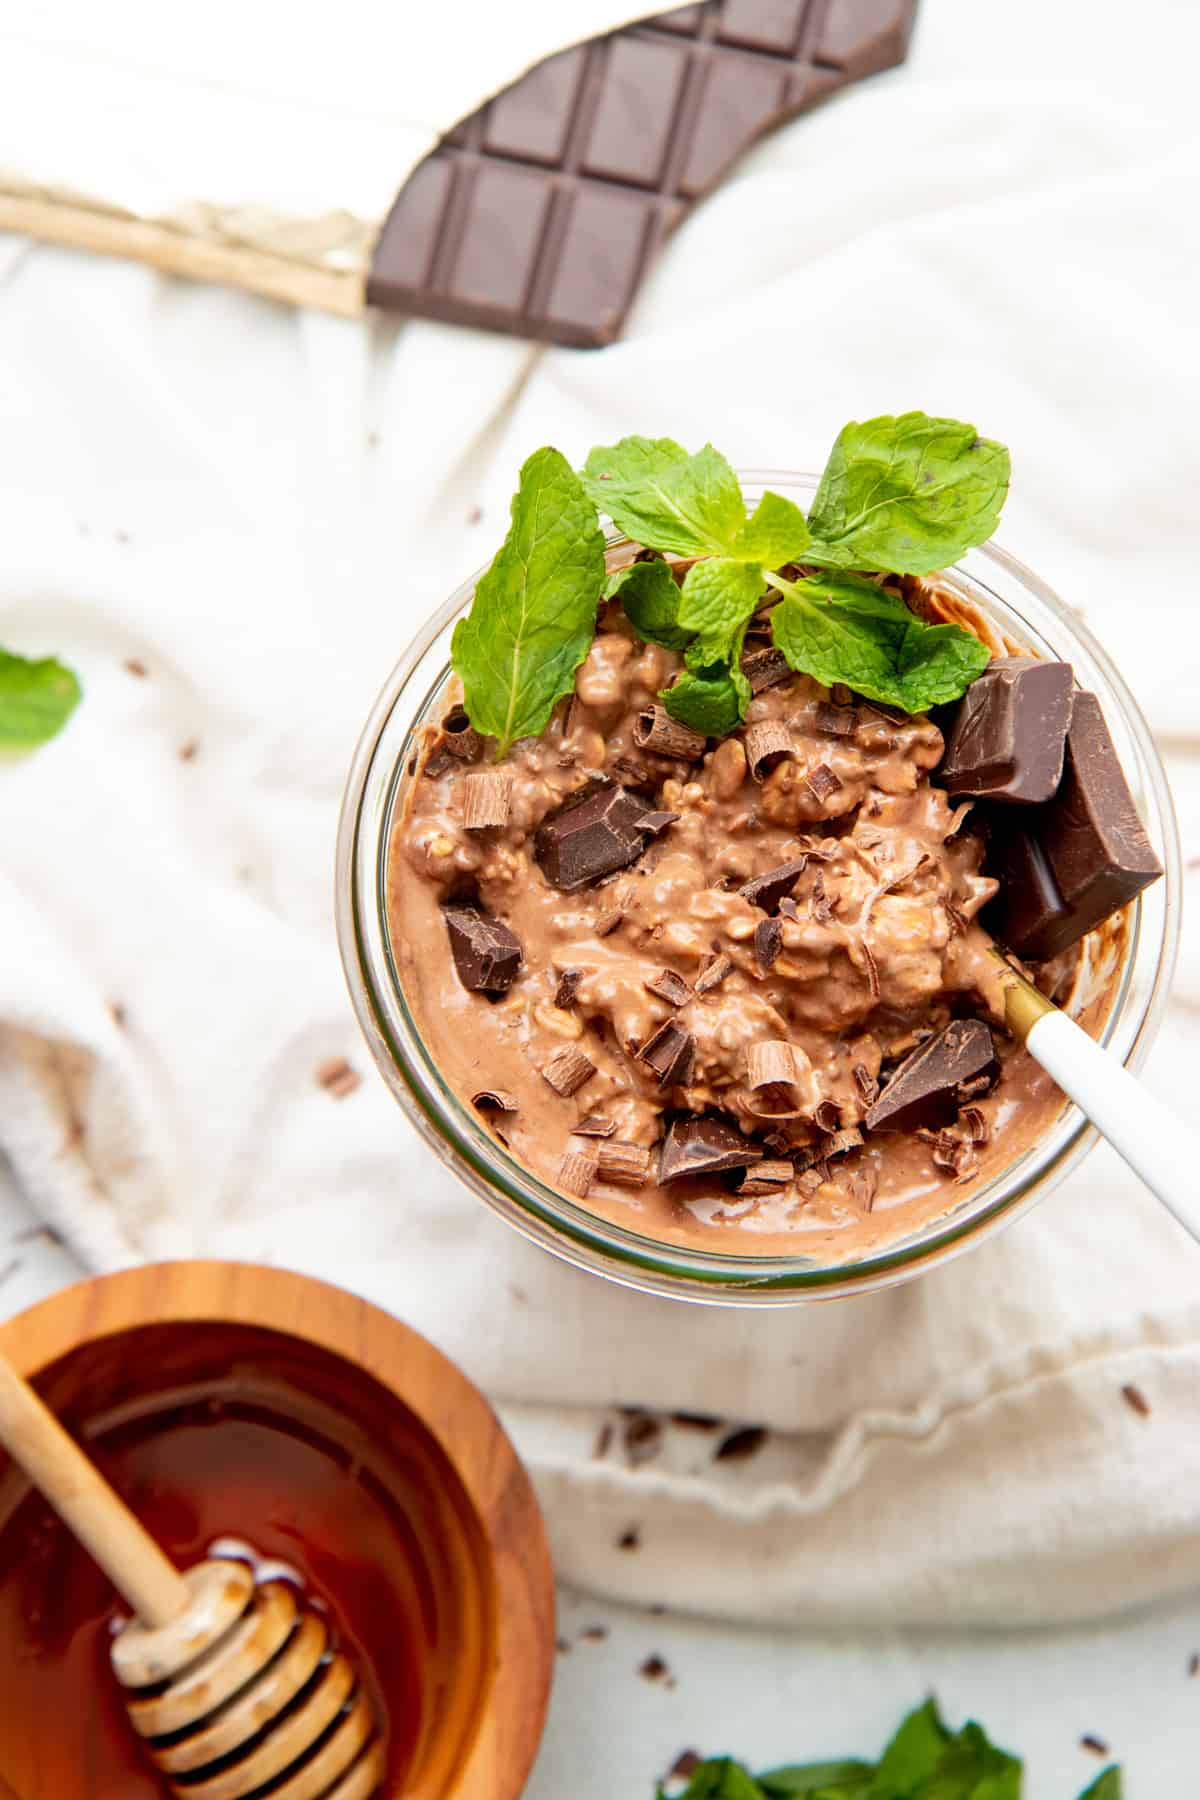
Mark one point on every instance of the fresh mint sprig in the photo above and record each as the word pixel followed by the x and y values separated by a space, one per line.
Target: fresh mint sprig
pixel 534 614
pixel 36 699
pixel 924 1761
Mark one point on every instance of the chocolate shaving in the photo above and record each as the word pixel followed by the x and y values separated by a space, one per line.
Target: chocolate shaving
pixel 670 987
pixel 714 972
pixel 958 918
pixel 684 1766
pixel 654 1669
pixel 567 1070
pixel 821 783
pixel 865 1082
pixel 486 800
pixel 827 1117
pixel 576 1173
pixel 768 941
pixel 626 1164
pixel 594 1125
pixel 741 1443
pixel 841 695
pixel 460 737
pixel 337 1077
pixel 668 1053
pixel 835 721
pixel 765 668
pixel 641 1435
pixel 819 902
pixel 951 1153
pixel 975 1125
pixel 1134 1397
pixel 768 1177
pixel 842 1142
pixel 630 1538
pixel 769 889
pixel 767 744
pixel 494 1100
pixel 974 1089
pixel 656 731
pixel 568 984
pixel 438 762
pixel 872 968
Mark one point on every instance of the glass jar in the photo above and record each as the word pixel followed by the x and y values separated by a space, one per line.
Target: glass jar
pixel 1023 611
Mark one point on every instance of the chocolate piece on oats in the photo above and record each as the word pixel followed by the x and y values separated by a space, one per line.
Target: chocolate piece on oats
pixel 767 1178
pixel 1008 733
pixel 459 736
pixel 670 987
pixel 577 1172
pixel 567 1070
pixel 769 889
pixel 924 1090
pixel 765 669
pixel 668 1054
pixel 596 836
pixel 627 1164
pixel 656 731
pixel 494 1100
pixel 768 941
pixel 767 744
pixel 486 799
pixel 714 972
pixel 835 721
pixel 486 953
pixel 822 783
pixel 594 1125
pixel 568 983
pixel 704 1146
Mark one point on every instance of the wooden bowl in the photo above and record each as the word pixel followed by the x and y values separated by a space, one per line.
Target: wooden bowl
pixel 227 1401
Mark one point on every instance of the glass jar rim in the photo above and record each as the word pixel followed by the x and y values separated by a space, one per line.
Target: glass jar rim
pixel 590 1241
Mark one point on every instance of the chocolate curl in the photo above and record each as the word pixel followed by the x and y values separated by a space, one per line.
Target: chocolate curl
pixel 486 799
pixel 494 1100
pixel 655 730
pixel 577 1172
pixel 627 1164
pixel 567 1070
pixel 767 744
pixel 460 737
pixel 670 987
pixel 781 1081
pixel 765 668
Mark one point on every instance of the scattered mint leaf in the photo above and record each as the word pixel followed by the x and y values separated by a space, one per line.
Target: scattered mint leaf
pixel 907 494
pixel 651 598
pixel 709 700
pixel 36 699
pixel 775 533
pixel 721 1778
pixel 719 598
pixel 807 1781
pixel 660 496
pixel 912 1755
pixel 841 628
pixel 533 617
pixel 1109 1786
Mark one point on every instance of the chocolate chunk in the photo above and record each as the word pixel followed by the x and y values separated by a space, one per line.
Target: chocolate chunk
pixel 765 669
pixel 768 890
pixel 486 953
pixel 704 1146
pixel 1008 733
pixel 594 1125
pixel 656 731
pixel 595 836
pixel 568 983
pixel 822 783
pixel 539 214
pixel 923 1091
pixel 835 721
pixel 670 987
pixel 567 1070
pixel 714 972
pixel 768 941
pixel 1075 861
pixel 668 1053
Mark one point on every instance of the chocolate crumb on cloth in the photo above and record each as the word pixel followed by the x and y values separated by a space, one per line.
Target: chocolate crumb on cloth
pixel 539 214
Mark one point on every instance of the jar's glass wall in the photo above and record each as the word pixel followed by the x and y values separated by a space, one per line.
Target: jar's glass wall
pixel 1021 608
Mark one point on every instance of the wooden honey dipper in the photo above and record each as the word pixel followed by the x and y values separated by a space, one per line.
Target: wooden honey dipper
pixel 230 1683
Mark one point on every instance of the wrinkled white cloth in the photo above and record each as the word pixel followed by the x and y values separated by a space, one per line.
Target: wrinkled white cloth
pixel 260 506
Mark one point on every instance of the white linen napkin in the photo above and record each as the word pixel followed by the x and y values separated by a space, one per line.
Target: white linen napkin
pixel 258 507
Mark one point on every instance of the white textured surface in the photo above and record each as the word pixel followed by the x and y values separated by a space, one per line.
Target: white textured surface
pixel 261 506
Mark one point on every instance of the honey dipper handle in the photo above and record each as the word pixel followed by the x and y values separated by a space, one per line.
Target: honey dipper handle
pixel 96 1515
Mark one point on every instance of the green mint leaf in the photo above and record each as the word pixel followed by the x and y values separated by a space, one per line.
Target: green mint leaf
pixel 840 628
pixel 972 1768
pixel 719 598
pixel 36 699
pixel 912 1755
pixel 533 617
pixel 909 494
pixel 712 700
pixel 660 496
pixel 650 597
pixel 721 1778
pixel 775 533
pixel 1109 1786
pixel 812 1781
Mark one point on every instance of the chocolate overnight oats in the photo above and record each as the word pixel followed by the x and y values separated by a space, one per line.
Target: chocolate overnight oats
pixel 694 888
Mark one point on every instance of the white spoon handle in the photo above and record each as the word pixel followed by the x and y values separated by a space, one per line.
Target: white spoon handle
pixel 1154 1141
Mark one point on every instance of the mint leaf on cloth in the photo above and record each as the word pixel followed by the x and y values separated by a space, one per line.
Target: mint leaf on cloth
pixel 813 1781
pixel 1108 1787
pixel 907 494
pixel 719 598
pixel 709 700
pixel 36 699
pixel 660 496
pixel 775 533
pixel 651 599
pixel 842 628
pixel 533 617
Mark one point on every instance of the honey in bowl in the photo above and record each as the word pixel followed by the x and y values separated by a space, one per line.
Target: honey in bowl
pixel 244 1438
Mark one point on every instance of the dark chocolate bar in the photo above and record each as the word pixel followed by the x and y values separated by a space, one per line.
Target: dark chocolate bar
pixel 539 214
pixel 1007 735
